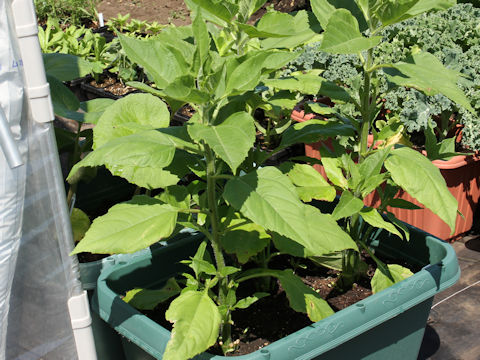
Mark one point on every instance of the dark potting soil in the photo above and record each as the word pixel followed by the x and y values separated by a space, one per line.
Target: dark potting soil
pixel 271 318
pixel 89 257
pixel 112 85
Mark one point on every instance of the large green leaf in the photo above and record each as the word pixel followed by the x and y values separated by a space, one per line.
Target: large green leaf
pixel 244 240
pixel 80 224
pixel 223 10
pixel 347 206
pixel 302 298
pixel 310 183
pixel 333 168
pixel 253 32
pixel 64 102
pixel 245 75
pixel 202 37
pixel 132 114
pixel 163 62
pixel 269 199
pixel 424 72
pixel 342 35
pixel 95 108
pixel 66 67
pixel 311 84
pixel 322 10
pixel 231 140
pixel 196 322
pixel 392 11
pixel 314 130
pixel 298 27
pixel 148 299
pixel 373 217
pixel 422 180
pixel 174 104
pixel 139 158
pixel 183 89
pixel 129 227
pixel 381 281
pixel 423 6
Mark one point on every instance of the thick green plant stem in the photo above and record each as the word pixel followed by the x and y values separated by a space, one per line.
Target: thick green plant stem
pixel 366 106
pixel 225 327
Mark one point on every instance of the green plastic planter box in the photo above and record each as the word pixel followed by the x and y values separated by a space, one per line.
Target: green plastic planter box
pixel 387 325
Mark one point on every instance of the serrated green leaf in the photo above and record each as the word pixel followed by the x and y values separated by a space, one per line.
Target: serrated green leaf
pixel 373 217
pixel 333 169
pixel 422 180
pixel 403 204
pixel 269 199
pixel 132 114
pixel 399 224
pixel 129 227
pixel 421 71
pixel 298 27
pixel 347 206
pixel 318 108
pixel 80 224
pixel 423 6
pixel 148 299
pixel 314 130
pixel 381 281
pixel 332 261
pixel 244 240
pixel 231 140
pixel 253 32
pixel 162 61
pixel 183 89
pixel 246 302
pixel 64 102
pixel 228 270
pixel 222 10
pixel 94 109
pixel 66 67
pixel 177 196
pixel 342 35
pixel 310 84
pixel 392 11
pixel 196 322
pixel 246 75
pixel 201 35
pixel 139 158
pixel 310 183
pixel 322 10
pixel 175 105
pixel 303 298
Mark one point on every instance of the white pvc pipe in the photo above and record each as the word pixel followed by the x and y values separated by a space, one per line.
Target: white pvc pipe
pixel 38 90
pixel 82 326
pixel 7 143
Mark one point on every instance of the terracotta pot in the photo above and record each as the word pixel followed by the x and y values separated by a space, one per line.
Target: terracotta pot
pixel 461 173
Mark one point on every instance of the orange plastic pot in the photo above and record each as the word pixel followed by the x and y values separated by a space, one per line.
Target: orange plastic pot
pixel 461 173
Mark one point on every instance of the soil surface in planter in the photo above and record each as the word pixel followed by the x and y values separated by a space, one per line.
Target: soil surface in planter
pixel 271 318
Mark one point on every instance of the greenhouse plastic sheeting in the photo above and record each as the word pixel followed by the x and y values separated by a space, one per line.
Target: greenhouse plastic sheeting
pixel 37 276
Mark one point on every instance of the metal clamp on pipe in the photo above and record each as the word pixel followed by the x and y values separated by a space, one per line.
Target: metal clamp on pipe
pixel 7 143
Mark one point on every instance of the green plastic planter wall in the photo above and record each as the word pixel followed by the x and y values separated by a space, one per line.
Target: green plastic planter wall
pixel 387 325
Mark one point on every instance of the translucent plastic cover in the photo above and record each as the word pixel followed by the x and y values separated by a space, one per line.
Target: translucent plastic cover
pixel 37 276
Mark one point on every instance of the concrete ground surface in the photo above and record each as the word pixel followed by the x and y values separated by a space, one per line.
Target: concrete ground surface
pixel 453 330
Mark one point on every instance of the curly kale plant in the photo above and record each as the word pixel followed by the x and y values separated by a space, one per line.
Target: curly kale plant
pixel 453 36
